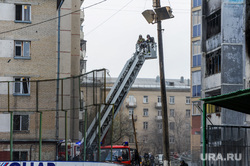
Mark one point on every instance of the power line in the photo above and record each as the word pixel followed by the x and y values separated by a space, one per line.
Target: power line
pixel 109 18
pixel 12 30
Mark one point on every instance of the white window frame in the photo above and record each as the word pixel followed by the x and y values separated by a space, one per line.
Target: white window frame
pixel 159 113
pixel 171 139
pixel 25 49
pixel 195 110
pixel 21 86
pixel 145 111
pixel 130 112
pixel 171 100
pixel 172 125
pixel 23 13
pixel 145 125
pixel 188 114
pixel 172 113
pixel 145 99
pixel 159 99
pixel 188 98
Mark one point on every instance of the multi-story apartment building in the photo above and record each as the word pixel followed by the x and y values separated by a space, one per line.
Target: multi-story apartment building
pixel 144 102
pixel 225 69
pixel 29 51
pixel 196 56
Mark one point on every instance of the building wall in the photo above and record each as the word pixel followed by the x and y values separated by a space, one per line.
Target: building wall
pixel 42 64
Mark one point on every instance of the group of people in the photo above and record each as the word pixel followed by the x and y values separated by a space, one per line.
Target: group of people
pixel 142 43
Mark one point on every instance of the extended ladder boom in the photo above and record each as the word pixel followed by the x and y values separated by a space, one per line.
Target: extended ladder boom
pixel 119 92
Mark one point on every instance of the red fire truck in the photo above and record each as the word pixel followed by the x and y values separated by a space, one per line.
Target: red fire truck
pixel 73 150
pixel 117 150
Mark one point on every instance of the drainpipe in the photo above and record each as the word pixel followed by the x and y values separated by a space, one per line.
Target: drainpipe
pixel 58 76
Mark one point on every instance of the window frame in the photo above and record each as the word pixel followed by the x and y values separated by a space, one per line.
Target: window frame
pixel 195 110
pixel 145 99
pixel 188 100
pixel 145 125
pixel 196 23
pixel 21 93
pixel 196 53
pixel 196 3
pixel 20 155
pixel 22 49
pixel 130 112
pixel 171 100
pixel 196 84
pixel 188 114
pixel 145 112
pixel 171 125
pixel 171 139
pixel 21 123
pixel 171 113
pixel 159 112
pixel 23 15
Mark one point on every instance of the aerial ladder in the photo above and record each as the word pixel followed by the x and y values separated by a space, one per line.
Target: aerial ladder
pixel 118 93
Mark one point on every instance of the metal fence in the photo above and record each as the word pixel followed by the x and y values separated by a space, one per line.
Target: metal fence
pixel 228 145
pixel 36 115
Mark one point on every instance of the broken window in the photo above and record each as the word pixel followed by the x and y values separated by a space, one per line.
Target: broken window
pixel 23 13
pixel 22 49
pixel 213 63
pixel 196 18
pixel 21 122
pixel 196 51
pixel 214 24
pixel 22 86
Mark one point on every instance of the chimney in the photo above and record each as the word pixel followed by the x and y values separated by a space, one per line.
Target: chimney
pixel 182 79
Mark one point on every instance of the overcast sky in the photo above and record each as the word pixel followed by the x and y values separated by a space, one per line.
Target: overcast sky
pixel 112 28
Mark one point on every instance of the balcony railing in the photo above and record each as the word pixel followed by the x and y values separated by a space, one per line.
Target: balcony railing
pixel 158 105
pixel 131 104
pixel 158 117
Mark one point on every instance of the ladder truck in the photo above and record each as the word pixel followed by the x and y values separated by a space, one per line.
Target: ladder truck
pixel 118 93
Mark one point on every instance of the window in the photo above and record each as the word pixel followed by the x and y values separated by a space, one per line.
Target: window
pixel 171 125
pixel 195 109
pixel 196 3
pixel 171 100
pixel 131 139
pixel 196 84
pixel 21 122
pixel 23 13
pixel 20 156
pixel 159 112
pixel 187 113
pixel 145 99
pixel 187 126
pixel 130 112
pixel 159 125
pixel 196 18
pixel 145 125
pixel 145 112
pixel 214 24
pixel 159 99
pixel 22 49
pixel 196 53
pixel 22 86
pixel 171 139
pixel 171 112
pixel 187 100
pixel 213 63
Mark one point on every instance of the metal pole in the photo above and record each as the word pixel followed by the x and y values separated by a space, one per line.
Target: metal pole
pixel 40 137
pixel 99 133
pixel 66 136
pixel 58 75
pixel 204 133
pixel 163 93
pixel 11 125
pixel 113 108
pixel 85 130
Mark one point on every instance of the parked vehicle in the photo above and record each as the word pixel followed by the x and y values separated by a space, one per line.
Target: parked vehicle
pixel 159 160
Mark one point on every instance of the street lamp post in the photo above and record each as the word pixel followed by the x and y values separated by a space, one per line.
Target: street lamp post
pixel 156 17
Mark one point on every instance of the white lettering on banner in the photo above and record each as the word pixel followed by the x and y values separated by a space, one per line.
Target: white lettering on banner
pixel 219 156
pixel 11 163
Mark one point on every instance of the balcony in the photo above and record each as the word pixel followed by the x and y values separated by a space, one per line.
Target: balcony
pixel 158 117
pixel 131 104
pixel 135 117
pixel 158 105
